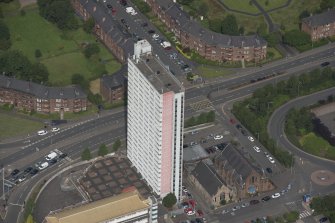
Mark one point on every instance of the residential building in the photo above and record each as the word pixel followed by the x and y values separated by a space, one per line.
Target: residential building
pixel 320 25
pixel 239 173
pixel 211 45
pixel 210 185
pixel 29 96
pixel 155 121
pixel 113 87
pixel 106 28
pixel 126 207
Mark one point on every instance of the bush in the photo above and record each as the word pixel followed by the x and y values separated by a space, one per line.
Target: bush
pixel 91 49
pixel 38 53
pixel 103 150
pixel 116 145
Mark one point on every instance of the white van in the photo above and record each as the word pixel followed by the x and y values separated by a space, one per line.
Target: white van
pixel 51 156
pixel 43 166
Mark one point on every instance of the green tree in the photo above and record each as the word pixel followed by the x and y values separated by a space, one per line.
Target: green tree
pixel 39 73
pixel 215 25
pixel 30 219
pixel 291 217
pixel 116 145
pixel 202 9
pixel 229 25
pixel 169 200
pixel 103 150
pixel 304 14
pixel 80 80
pixel 296 38
pixel 88 25
pixel 241 30
pixel 38 53
pixel 272 38
pixel 14 63
pixel 91 49
pixel 327 4
pixel 5 42
pixel 86 154
pixel 94 98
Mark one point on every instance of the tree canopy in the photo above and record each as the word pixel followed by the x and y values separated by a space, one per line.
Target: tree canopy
pixel 59 12
pixel 169 200
pixel 229 25
pixel 103 150
pixel 86 154
pixel 5 42
pixel 296 38
pixel 14 64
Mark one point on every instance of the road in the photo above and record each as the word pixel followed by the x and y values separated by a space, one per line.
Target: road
pixel 93 132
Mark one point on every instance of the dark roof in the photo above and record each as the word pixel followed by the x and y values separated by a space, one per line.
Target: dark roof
pixel 237 162
pixel 115 80
pixel 321 19
pixel 212 38
pixel 41 91
pixel 208 178
pixel 101 16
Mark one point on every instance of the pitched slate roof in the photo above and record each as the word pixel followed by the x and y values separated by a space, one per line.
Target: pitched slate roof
pixel 116 80
pixel 41 91
pixel 235 161
pixel 321 19
pixel 101 16
pixel 212 38
pixel 208 178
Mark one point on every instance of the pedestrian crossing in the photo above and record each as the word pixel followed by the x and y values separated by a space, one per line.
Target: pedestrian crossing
pixel 304 214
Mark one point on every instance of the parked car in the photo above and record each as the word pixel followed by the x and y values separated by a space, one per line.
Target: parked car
pixel 217 137
pixel 253 202
pixel 243 132
pixel 266 198
pixel 53 161
pixel 245 205
pixel 42 132
pixel 251 139
pixel 269 170
pixel 22 178
pixel 271 159
pixel 151 31
pixel 43 166
pixel 235 208
pixel 155 36
pixel 15 172
pixel 257 149
pixel 325 64
pixel 51 156
pixel 324 219
pixel 62 156
pixel 276 195
pixel 28 169
pixel 33 172
pixel 225 211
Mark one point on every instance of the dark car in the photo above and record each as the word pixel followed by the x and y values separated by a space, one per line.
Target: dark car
pixel 53 161
pixel 28 169
pixel 269 170
pixel 266 198
pixel 33 172
pixel 243 132
pixel 198 220
pixel 62 156
pixel 123 2
pixel 15 172
pixel 324 219
pixel 144 24
pixel 151 31
pixel 109 6
pixel 253 202
pixel 238 126
pixel 123 21
pixel 325 64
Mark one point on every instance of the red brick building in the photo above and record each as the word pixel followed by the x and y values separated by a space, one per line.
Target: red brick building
pixel 211 45
pixel 29 96
pixel 113 88
pixel 239 173
pixel 106 29
pixel 320 26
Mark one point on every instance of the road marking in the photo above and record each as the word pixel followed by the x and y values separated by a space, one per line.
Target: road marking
pixel 304 214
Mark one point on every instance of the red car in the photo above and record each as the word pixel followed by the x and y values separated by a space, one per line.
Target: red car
pixel 186 210
pixel 192 203
pixel 200 213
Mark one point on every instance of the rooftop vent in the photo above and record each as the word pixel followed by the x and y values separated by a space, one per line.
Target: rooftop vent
pixel 147 60
pixel 158 72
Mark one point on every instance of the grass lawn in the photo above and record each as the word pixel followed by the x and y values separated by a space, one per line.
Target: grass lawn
pixel 61 51
pixel 317 146
pixel 14 126
pixel 241 5
pixel 292 12
pixel 271 4
pixel 209 72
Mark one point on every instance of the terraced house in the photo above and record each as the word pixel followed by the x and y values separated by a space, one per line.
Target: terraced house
pixel 29 96
pixel 320 26
pixel 211 45
pixel 106 28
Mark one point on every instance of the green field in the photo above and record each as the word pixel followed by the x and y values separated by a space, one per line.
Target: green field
pixel 317 146
pixel 14 126
pixel 241 5
pixel 271 4
pixel 61 51
pixel 289 16
pixel 209 72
